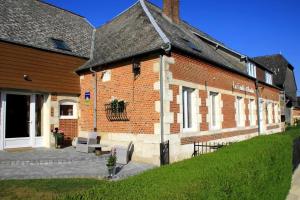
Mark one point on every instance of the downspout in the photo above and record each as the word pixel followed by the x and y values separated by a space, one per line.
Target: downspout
pixel 166 48
pixel 258 107
pixel 95 99
pixel 161 81
pixel 95 82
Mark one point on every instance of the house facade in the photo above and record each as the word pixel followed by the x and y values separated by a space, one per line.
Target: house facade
pixel 146 76
pixel 153 78
pixel 39 89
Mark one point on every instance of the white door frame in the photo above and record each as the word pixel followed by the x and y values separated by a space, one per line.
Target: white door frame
pixel 2 120
pixel 18 142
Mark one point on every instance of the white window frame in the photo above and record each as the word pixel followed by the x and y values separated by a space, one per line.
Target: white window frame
pixel 251 69
pixel 252 112
pixel 68 102
pixel 268 77
pixel 214 111
pixel 188 112
pixel 276 113
pixel 240 112
pixel 270 112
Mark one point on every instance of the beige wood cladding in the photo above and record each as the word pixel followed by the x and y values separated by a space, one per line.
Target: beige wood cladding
pixel 50 72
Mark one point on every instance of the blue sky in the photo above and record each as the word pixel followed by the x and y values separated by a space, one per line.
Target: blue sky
pixel 256 27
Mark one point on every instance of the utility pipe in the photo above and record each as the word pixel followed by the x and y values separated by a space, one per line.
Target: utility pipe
pixel 95 99
pixel 161 81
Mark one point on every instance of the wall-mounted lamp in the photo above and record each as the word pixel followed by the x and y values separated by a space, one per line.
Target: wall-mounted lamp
pixel 27 77
pixel 136 68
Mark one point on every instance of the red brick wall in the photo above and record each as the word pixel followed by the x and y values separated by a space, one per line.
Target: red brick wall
pixel 138 92
pixel 228 111
pixel 69 127
pixel 268 92
pixel 204 111
pixel 197 71
pixel 206 138
pixel 296 112
pixel 247 123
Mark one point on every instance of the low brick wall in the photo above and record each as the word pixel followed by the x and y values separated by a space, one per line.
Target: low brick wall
pixel 273 127
pixel 206 138
pixel 70 129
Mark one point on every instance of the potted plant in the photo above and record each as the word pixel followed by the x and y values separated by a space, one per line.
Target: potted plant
pixel 59 137
pixel 111 163
pixel 114 105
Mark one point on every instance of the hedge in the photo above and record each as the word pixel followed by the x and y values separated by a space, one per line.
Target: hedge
pixel 260 168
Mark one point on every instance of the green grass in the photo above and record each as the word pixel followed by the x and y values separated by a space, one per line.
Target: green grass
pixel 43 189
pixel 260 168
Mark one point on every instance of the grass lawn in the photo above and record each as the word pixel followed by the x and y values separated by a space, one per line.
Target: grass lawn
pixel 260 168
pixel 43 189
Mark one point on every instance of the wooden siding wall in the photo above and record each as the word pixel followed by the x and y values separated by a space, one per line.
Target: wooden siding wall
pixel 50 72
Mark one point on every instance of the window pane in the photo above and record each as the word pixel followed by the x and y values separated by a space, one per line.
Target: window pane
pixel 187 107
pixel 184 107
pixel 66 110
pixel 213 97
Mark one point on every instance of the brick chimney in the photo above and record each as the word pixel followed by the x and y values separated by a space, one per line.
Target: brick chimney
pixel 171 9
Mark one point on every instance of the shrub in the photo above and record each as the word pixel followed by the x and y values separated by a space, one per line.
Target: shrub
pixel 260 168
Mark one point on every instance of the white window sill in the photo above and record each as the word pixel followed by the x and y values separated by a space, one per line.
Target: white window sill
pixel 68 117
pixel 215 129
pixel 189 130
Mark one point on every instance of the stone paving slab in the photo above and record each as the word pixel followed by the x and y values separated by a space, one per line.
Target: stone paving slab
pixel 295 187
pixel 44 154
pixel 62 163
pixel 92 169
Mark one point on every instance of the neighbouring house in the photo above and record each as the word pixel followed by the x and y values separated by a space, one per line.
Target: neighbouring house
pixel 296 112
pixel 152 77
pixel 41 46
pixel 284 78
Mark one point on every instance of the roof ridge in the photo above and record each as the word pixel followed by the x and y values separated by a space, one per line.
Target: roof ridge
pixel 59 8
pixel 118 15
pixel 154 23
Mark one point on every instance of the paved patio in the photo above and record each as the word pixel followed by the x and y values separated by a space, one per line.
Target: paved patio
pixel 60 163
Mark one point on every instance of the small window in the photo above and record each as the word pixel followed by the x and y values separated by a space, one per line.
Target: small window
pixel 67 110
pixel 60 44
pixel 187 108
pixel 239 111
pixel 251 69
pixel 214 110
pixel 269 79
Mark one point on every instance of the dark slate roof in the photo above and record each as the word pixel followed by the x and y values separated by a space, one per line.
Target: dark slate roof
pixel 34 23
pixel 132 33
pixel 283 72
pixel 128 34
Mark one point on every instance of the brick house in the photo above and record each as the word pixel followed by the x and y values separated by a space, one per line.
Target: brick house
pixel 152 77
pixel 284 78
pixel 38 87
